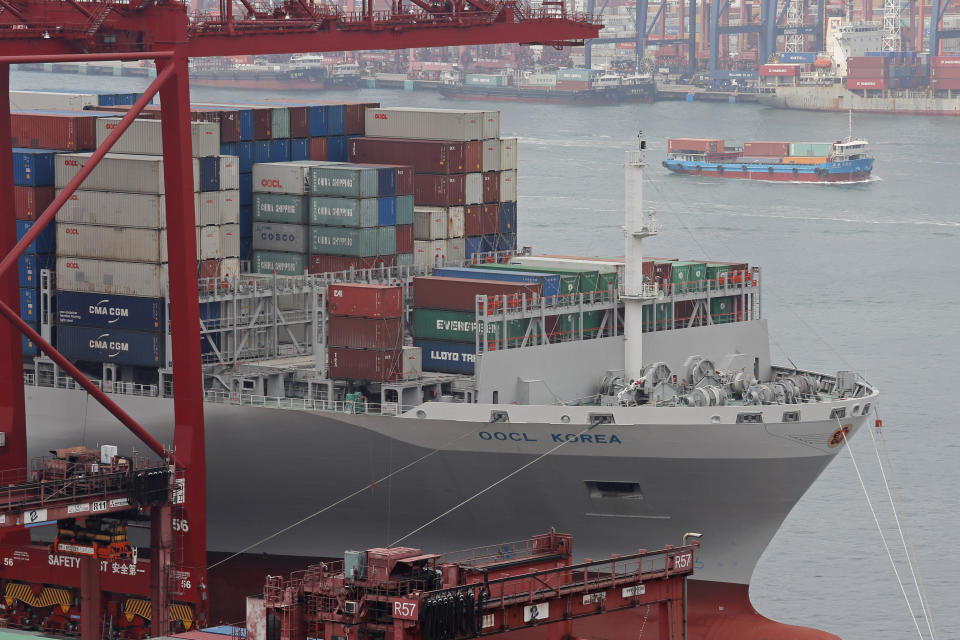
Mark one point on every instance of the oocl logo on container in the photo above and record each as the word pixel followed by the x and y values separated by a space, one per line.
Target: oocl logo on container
pixel 71 163
pixel 71 231
pixel 111 125
pixel 271 183
pixel 380 116
pixel 72 265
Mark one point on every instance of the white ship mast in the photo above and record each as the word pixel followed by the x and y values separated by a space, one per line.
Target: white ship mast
pixel 635 290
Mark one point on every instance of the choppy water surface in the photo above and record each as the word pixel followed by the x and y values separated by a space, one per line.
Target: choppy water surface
pixel 859 277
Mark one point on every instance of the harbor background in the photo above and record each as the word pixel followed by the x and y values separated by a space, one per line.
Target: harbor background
pixel 861 277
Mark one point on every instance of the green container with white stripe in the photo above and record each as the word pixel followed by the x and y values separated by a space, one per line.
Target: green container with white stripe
pixel 280 207
pixel 461 326
pixel 284 264
pixel 344 241
pixel 343 212
pixel 343 180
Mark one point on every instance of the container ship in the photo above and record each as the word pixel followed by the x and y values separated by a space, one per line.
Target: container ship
pixel 371 324
pixel 305 71
pixel 845 161
pixel 566 86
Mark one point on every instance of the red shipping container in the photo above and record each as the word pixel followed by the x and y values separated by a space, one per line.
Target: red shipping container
pixel 786 70
pixel 472 220
pixel 299 122
pixel 405 177
pixel 318 148
pixel 489 220
pixel 701 145
pixel 49 131
pixel 404 238
pixel 459 294
pixel 944 84
pixel 867 83
pixel 365 300
pixel 439 191
pixel 425 156
pixel 262 122
pixel 29 202
pixel 868 62
pixel 208 269
pixel 663 275
pixel 766 149
pixel 334 264
pixel 229 121
pixel 945 61
pixel 945 73
pixel 869 73
pixel 572 85
pixel 491 186
pixel 362 364
pixel 382 334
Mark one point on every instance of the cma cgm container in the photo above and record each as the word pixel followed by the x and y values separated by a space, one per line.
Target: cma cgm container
pixel 119 346
pixel 29 202
pixel 447 357
pixel 425 156
pixel 459 294
pixel 268 236
pixel 363 364
pixel 283 264
pixel 382 334
pixel 146 137
pixel 345 181
pixel 113 311
pixel 440 190
pixel 118 172
pixel 432 124
pixel 365 300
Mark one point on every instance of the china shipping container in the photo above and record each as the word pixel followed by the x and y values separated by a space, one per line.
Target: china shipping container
pixel 362 364
pixel 281 207
pixel 439 190
pixel 425 156
pixel 447 357
pixel 322 263
pixel 381 334
pixel 110 276
pixel 117 312
pixel 344 181
pixel 402 181
pixel 279 262
pixel 365 300
pixel 344 241
pixel 146 137
pixel 432 124
pixel 344 212
pixel 29 202
pixel 459 294
pixel 54 130
pixel 122 172
pixel 270 236
pixel 118 346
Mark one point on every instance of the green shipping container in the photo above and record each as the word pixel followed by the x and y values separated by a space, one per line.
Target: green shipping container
pixel 280 123
pixel 404 209
pixel 576 75
pixel 664 316
pixel 387 240
pixel 344 241
pixel 343 212
pixel 810 148
pixel 570 324
pixel 571 281
pixel 344 181
pixel 688 276
pixel 484 80
pixel 284 264
pixel 461 326
pixel 607 281
pixel 280 207
pixel 721 309
pixel 716 271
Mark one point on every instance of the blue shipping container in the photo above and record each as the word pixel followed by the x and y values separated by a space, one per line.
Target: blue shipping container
pixel 261 151
pixel 447 357
pixel 45 242
pixel 30 304
pixel 337 149
pixel 246 220
pixel 246 124
pixel 33 167
pixel 489 244
pixel 508 217
pixel 300 149
pixel 386 181
pixel 386 212
pixel 116 346
pixel 107 100
pixel 336 120
pixel 209 173
pixel 29 266
pixel 246 247
pixel 550 283
pixel 473 246
pixel 318 121
pixel 127 98
pixel 279 151
pixel 507 242
pixel 108 311
pixel 243 151
pixel 806 57
pixel 29 348
pixel 246 189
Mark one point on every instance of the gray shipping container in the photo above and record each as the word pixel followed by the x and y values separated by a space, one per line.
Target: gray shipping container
pixel 387 240
pixel 117 172
pixel 343 212
pixel 229 172
pixel 455 222
pixel 141 210
pixel 342 241
pixel 230 240
pixel 343 180
pixel 111 243
pixel 508 154
pixel 209 243
pixel 456 251
pixel 281 207
pixel 491 155
pixel 146 137
pixel 430 223
pixel 51 101
pixel 432 124
pixel 429 253
pixel 473 188
pixel 269 236
pixel 218 207
pixel 508 186
pixel 114 277
pixel 285 264
pixel 283 177
pixel 280 123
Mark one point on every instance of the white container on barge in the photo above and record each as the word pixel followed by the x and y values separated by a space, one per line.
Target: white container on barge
pixel 146 137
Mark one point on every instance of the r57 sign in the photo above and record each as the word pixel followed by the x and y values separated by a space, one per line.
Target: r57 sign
pixel 405 609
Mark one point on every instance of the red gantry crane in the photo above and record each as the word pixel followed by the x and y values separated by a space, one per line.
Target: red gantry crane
pixel 163 31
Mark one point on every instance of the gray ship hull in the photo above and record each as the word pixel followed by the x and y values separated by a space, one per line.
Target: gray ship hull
pixel 837 98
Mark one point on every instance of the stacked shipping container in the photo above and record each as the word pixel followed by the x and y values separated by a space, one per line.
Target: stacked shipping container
pixel 883 70
pixel 945 73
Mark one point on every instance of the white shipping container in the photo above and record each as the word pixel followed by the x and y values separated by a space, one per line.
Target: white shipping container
pixel 107 276
pixel 146 137
pixel 491 124
pixel 429 253
pixel 51 101
pixel 491 155
pixel 229 173
pixel 117 172
pixel 209 243
pixel 111 243
pixel 455 222
pixel 508 154
pixel 142 210
pixel 230 240
pixel 456 251
pixel 508 186
pixel 430 223
pixel 282 177
pixel 556 262
pixel 218 207
pixel 474 188
pixel 230 268
pixel 229 206
pixel 412 363
pixel 429 124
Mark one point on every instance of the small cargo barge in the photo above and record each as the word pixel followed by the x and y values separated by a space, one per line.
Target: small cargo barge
pixel 843 161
